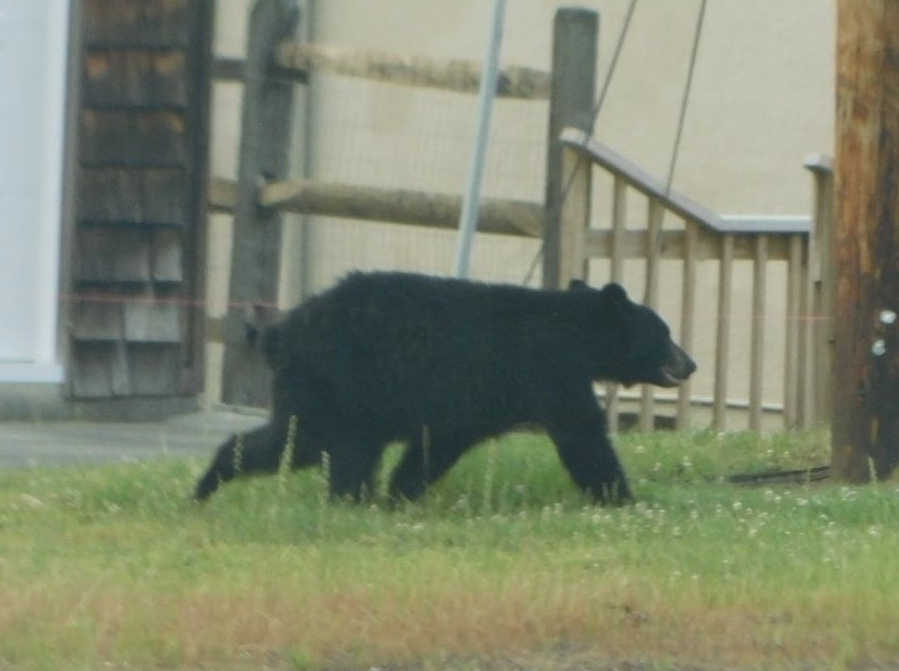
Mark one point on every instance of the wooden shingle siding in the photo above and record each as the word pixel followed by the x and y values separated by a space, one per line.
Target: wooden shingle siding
pixel 98 320
pixel 168 257
pixel 117 79
pixel 133 139
pixel 152 322
pixel 139 196
pixel 112 256
pixel 99 370
pixel 130 24
pixel 154 369
pixel 137 261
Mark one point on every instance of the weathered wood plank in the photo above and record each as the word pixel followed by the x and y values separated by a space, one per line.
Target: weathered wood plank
pixel 165 197
pixel 108 195
pixel 104 254
pixel 154 139
pixel 137 23
pixel 152 321
pixel 574 57
pixel 616 273
pixel 672 245
pixel 401 206
pixel 121 195
pixel 168 256
pixel 99 370
pixel 796 280
pixel 265 140
pixel 654 218
pixel 723 331
pixel 757 337
pixel 455 75
pixel 154 369
pixel 97 319
pixel 135 79
pixel 688 317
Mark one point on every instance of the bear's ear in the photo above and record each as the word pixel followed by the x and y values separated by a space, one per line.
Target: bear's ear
pixel 577 285
pixel 614 292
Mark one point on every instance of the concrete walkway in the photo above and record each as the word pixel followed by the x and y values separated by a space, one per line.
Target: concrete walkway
pixel 66 443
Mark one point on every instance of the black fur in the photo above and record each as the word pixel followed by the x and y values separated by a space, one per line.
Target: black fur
pixel 441 365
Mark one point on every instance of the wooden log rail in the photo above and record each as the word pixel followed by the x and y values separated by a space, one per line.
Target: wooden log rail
pixel 294 61
pixel 707 237
pixel 397 206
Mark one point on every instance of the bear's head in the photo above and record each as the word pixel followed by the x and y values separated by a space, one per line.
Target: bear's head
pixel 636 342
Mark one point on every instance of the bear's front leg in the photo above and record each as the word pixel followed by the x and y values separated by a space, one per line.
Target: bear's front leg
pixel 590 459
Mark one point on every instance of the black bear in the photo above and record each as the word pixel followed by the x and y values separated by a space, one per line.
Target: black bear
pixel 440 365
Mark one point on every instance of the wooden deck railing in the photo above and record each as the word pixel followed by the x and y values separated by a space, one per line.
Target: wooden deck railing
pixel 705 237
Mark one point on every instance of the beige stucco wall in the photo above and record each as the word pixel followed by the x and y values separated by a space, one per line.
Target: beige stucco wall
pixel 762 100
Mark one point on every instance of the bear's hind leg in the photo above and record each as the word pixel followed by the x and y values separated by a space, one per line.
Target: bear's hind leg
pixel 425 461
pixel 255 451
pixel 351 470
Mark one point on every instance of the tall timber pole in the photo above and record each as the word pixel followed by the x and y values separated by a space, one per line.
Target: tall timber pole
pixel 865 425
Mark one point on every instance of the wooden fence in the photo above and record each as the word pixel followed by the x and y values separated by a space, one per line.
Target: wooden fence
pixel 803 244
pixel 565 221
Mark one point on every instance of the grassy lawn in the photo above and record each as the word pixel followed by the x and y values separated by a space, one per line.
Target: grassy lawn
pixel 502 566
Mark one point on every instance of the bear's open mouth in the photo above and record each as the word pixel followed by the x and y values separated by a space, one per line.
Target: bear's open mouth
pixel 671 378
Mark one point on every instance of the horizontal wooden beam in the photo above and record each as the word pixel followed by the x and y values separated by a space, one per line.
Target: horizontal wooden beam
pixel 401 206
pixel 454 75
pixel 398 206
pixel 232 70
pixel 672 245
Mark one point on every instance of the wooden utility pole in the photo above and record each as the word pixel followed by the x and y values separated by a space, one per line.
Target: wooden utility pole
pixel 865 436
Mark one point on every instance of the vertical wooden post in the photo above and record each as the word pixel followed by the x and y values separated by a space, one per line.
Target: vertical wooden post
pixel 264 144
pixel 655 215
pixel 796 280
pixel 757 330
pixel 722 333
pixel 575 44
pixel 818 301
pixel 616 274
pixel 688 317
pixel 865 425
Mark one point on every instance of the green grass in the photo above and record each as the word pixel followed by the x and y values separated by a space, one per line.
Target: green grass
pixel 503 564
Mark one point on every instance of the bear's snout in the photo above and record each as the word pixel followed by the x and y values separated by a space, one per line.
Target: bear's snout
pixel 679 367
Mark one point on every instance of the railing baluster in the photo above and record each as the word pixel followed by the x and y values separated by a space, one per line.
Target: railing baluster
pixel 655 216
pixel 688 305
pixel 757 346
pixel 722 337
pixel 792 349
pixel 616 272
